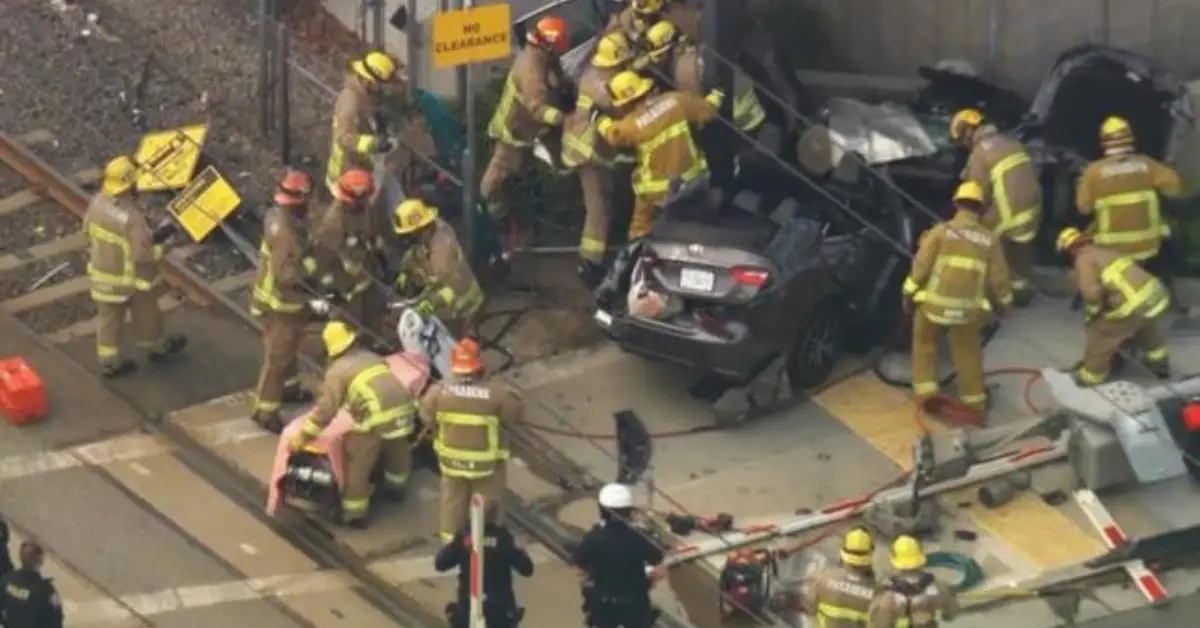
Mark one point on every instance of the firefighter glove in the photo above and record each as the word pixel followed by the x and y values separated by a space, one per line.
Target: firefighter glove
pixel 299 441
pixel 604 125
pixel 715 97
pixel 384 145
pixel 320 307
pixel 424 307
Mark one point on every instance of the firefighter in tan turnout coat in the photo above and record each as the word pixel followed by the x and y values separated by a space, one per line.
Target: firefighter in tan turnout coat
pixel 125 270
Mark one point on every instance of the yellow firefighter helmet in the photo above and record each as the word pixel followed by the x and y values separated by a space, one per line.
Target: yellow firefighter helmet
pixel 661 37
pixel 120 174
pixel 964 121
pixel 375 67
pixel 969 191
pixel 1115 131
pixel 612 51
pixel 646 7
pixel 1067 238
pixel 858 548
pixel 627 87
pixel 413 215
pixel 338 337
pixel 907 554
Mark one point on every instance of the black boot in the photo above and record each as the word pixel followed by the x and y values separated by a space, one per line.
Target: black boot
pixel 270 421
pixel 295 393
pixel 171 345
pixel 112 370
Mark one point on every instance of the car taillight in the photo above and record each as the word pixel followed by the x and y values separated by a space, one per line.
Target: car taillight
pixel 750 275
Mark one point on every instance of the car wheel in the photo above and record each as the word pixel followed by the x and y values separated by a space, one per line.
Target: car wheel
pixel 816 350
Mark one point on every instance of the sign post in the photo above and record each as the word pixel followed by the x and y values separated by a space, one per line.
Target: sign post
pixel 461 38
pixel 477 545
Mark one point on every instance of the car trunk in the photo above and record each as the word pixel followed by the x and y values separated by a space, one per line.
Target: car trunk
pixel 703 268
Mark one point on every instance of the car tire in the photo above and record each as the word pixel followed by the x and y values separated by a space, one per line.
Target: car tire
pixel 816 350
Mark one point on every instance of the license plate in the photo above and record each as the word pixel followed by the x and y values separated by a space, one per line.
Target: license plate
pixel 696 280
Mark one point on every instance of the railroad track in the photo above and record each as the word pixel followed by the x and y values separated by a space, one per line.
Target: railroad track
pixel 43 284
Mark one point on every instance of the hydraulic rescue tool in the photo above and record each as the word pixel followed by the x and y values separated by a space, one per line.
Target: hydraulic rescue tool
pixel 745 582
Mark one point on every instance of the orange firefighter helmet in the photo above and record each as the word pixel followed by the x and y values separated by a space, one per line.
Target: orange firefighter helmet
pixel 355 185
pixel 294 189
pixel 464 358
pixel 550 32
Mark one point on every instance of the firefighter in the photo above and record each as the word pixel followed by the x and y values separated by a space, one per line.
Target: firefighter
pixel 435 269
pixel 29 599
pixel 612 559
pixel 384 417
pixel 125 271
pixel 357 132
pixel 1002 166
pixel 640 15
pixel 469 415
pixel 957 274
pixel 1121 191
pixel 839 597
pixel 677 59
pixel 340 261
pixel 527 109
pixel 596 161
pixel 501 557
pixel 913 598
pixel 280 300
pixel 1122 302
pixel 658 125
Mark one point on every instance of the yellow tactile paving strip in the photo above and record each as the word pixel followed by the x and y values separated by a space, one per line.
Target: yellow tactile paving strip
pixel 884 417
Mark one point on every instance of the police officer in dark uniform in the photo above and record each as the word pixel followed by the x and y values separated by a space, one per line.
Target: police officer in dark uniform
pixel 613 557
pixel 27 599
pixel 501 557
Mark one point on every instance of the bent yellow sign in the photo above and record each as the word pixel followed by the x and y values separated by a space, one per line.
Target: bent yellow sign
pixel 205 203
pixel 168 158
pixel 472 35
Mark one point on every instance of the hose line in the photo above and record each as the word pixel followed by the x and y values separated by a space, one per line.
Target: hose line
pixel 969 569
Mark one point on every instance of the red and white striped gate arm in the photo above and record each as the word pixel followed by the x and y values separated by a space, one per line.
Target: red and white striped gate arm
pixel 1114 537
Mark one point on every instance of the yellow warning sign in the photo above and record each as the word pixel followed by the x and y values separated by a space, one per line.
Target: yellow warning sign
pixel 205 203
pixel 168 158
pixel 472 35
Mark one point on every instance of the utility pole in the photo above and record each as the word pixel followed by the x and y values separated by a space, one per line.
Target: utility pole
pixel 719 28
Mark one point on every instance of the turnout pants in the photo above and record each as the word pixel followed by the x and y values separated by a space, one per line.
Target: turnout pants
pixel 282 333
pixel 1020 263
pixel 597 183
pixel 1105 337
pixel 645 209
pixel 455 498
pixel 506 160
pixel 966 351
pixel 145 316
pixel 362 451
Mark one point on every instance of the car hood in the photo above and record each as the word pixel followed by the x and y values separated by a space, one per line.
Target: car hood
pixel 882 133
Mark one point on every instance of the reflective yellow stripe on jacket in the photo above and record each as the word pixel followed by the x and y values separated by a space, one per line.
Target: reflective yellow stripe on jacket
pixel 1129 201
pixel 365 404
pixel 1152 296
pixel 265 292
pixel 363 145
pixel 645 182
pixel 748 112
pixel 1017 224
pixel 128 277
pixel 826 612
pixel 931 295
pixel 469 463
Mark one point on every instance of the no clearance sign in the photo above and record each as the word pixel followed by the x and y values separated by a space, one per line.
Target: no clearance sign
pixel 472 35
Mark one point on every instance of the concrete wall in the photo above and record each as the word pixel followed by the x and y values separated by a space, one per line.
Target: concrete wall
pixel 1011 40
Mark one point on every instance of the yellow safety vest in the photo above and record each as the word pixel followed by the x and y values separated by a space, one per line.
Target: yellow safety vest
pixel 469 463
pixel 1017 224
pixel 1155 226
pixel 364 405
pixel 1152 296
pixel 644 181
pixel 266 295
